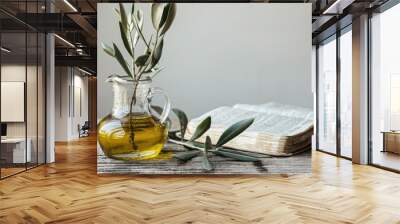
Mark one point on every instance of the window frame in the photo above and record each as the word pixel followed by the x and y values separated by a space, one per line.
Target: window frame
pixel 334 37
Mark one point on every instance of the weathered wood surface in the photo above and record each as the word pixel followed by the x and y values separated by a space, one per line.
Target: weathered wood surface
pixel 300 163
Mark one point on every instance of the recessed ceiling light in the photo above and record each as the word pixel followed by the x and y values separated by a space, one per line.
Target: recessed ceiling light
pixel 64 40
pixel 84 71
pixel 5 50
pixel 338 6
pixel 70 5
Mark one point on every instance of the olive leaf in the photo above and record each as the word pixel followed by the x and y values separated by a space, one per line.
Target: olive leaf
pixel 139 27
pixel 183 121
pixel 126 38
pixel 109 50
pixel 201 128
pixel 122 61
pixel 158 52
pixel 192 146
pixel 156 14
pixel 132 10
pixel 234 131
pixel 163 15
pixel 208 143
pixel 205 161
pixel 198 144
pixel 123 16
pixel 168 17
pixel 250 154
pixel 141 60
pixel 185 156
pixel 236 156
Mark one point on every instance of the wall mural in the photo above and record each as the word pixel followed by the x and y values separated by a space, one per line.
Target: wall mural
pixel 141 131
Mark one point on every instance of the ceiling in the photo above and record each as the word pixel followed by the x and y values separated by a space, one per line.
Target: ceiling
pixel 75 22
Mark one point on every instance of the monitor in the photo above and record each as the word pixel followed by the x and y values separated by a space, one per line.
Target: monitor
pixel 3 129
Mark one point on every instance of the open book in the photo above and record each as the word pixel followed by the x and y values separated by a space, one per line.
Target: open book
pixel 278 129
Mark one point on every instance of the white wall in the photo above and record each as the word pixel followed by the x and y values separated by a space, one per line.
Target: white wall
pixel 222 54
pixel 61 103
pixel 16 73
pixel 69 81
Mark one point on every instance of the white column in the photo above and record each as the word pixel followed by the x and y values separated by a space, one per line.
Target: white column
pixel 50 100
pixel 360 90
pixel 314 91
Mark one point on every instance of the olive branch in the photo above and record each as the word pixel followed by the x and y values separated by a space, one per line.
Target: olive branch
pixel 207 149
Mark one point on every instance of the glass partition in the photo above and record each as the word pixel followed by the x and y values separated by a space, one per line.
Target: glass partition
pixel 13 92
pixel 22 77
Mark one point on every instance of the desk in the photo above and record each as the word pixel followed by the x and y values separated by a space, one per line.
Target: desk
pixel 13 150
pixel 391 141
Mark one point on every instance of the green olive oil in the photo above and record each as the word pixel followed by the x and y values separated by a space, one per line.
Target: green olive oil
pixel 116 140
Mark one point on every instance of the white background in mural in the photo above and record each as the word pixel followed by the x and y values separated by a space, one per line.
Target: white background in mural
pixel 222 54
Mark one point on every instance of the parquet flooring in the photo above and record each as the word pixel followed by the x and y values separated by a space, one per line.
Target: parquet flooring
pixel 70 191
pixel 10 171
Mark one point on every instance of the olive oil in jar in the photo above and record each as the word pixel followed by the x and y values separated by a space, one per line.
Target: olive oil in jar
pixel 115 137
pixel 131 131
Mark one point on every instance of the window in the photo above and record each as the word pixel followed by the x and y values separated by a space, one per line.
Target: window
pixel 334 106
pixel 327 96
pixel 346 93
pixel 394 104
pixel 385 89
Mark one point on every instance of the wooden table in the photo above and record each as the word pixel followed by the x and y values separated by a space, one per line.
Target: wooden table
pixel 300 163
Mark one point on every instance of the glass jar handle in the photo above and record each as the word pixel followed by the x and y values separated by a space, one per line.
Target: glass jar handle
pixel 167 106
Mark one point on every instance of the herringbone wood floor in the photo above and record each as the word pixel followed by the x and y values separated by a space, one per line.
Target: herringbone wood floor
pixel 69 191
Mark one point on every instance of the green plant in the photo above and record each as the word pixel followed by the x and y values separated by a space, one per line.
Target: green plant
pixel 131 32
pixel 205 150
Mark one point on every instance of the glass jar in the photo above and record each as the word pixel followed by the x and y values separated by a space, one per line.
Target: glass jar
pixel 131 131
